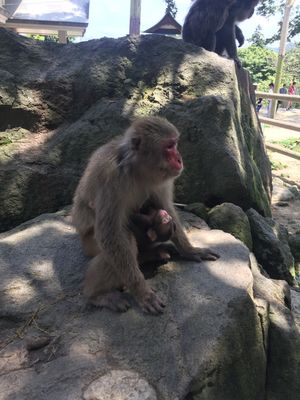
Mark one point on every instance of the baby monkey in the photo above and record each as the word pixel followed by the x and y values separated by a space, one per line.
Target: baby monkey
pixel 151 227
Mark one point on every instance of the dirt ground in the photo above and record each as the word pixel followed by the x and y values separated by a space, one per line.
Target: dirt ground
pixel 286 172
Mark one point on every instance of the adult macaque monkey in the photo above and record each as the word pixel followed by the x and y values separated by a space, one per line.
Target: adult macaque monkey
pixel 120 176
pixel 230 32
pixel 204 19
pixel 211 24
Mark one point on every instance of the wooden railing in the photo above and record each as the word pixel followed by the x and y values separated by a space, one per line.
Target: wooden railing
pixel 277 122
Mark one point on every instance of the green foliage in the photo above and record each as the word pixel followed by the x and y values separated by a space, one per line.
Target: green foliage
pixel 291 144
pixel 51 38
pixel 261 63
pixel 258 39
pixel 268 8
pixel 45 38
pixel 292 62
pixel 294 26
pixel 171 7
pixel 277 165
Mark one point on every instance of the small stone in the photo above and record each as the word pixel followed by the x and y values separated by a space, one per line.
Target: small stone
pixel 36 342
pixel 120 385
pixel 282 204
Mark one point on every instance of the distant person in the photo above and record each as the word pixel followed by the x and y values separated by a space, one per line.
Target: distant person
pixel 292 92
pixel 282 90
pixel 270 102
pixel 259 104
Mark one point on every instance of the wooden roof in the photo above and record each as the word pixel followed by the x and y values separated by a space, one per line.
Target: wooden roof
pixel 52 10
pixel 166 26
pixel 47 17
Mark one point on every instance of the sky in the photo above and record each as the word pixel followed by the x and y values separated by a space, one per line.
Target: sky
pixel 111 18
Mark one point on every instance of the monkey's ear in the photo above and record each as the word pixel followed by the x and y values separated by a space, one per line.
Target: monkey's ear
pixel 135 143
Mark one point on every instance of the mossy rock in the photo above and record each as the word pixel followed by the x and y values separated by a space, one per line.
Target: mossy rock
pixel 198 209
pixel 232 219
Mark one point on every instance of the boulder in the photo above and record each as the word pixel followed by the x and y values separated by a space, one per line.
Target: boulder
pixel 283 346
pixel 232 219
pixel 198 209
pixel 208 341
pixel 294 243
pixel 73 98
pixel 271 247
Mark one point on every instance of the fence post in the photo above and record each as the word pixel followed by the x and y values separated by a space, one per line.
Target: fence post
pixel 283 38
pixel 135 17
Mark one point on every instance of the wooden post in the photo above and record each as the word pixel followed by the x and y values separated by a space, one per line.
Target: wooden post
pixel 62 37
pixel 283 38
pixel 135 17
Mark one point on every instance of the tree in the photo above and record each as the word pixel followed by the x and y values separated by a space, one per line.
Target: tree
pixel 258 39
pixel 171 7
pixel 292 62
pixel 268 8
pixel 261 63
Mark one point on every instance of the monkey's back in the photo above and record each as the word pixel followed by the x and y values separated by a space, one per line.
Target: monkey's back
pixel 204 18
pixel 99 175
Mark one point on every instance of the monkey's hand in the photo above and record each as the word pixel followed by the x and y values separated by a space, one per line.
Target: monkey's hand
pixel 199 254
pixel 149 301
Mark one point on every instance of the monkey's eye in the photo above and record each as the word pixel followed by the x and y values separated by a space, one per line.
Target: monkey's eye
pixel 171 144
pixel 135 142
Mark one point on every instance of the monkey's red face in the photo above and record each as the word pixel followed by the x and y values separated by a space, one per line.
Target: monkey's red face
pixel 172 155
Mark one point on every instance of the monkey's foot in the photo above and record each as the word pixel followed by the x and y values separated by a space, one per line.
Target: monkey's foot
pixel 150 302
pixel 115 301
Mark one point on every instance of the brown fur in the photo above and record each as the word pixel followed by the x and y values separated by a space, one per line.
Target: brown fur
pixel 229 33
pixel 211 24
pixel 204 19
pixel 119 178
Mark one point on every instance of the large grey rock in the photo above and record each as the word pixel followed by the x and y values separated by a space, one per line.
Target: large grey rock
pixel 208 341
pixel 73 98
pixel 271 247
pixel 294 243
pixel 283 343
pixel 232 219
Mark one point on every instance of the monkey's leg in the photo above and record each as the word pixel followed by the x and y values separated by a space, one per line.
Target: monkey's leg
pixel 89 244
pixel 210 42
pixel 101 286
pixel 153 255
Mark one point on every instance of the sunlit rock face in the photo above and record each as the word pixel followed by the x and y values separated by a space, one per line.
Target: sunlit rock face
pixel 60 102
pixel 226 328
pixel 208 341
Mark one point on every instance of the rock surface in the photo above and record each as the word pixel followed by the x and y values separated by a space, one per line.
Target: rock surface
pixel 271 247
pixel 294 243
pixel 73 98
pixel 232 219
pixel 225 329
pixel 208 341
pixel 283 346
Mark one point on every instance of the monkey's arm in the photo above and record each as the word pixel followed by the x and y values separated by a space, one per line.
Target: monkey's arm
pixel 165 198
pixel 142 220
pixel 239 35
